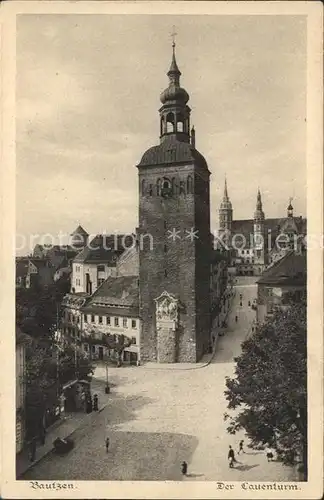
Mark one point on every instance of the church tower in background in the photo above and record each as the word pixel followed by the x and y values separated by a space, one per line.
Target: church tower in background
pixel 175 243
pixel 259 235
pixel 225 217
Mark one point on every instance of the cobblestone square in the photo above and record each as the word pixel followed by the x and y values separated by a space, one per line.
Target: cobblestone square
pixel 156 418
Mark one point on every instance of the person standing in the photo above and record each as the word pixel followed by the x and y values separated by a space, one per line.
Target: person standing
pixel 236 319
pixel 107 442
pixel 184 468
pixel 231 457
pixel 241 447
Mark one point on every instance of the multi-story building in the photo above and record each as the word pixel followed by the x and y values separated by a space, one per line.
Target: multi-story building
pixel 112 311
pixel 97 262
pixel 284 280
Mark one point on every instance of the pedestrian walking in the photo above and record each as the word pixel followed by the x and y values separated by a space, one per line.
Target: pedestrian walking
pixel 214 339
pixel 107 444
pixel 95 402
pixel 241 447
pixel 249 303
pixel 236 319
pixel 231 457
pixel 184 468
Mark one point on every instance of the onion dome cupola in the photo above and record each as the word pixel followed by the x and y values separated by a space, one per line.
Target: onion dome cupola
pixel 177 140
pixel 174 113
pixel 259 214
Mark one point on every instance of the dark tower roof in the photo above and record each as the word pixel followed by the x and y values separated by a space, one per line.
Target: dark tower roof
pixel 80 231
pixel 259 214
pixel 226 202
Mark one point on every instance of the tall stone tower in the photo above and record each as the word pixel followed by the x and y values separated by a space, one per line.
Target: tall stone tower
pixel 259 236
pixel 174 236
pixel 225 217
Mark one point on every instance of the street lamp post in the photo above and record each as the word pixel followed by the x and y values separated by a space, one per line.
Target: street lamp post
pixel 107 388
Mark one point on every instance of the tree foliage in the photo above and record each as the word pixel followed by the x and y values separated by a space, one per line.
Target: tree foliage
pixel 37 309
pixel 269 389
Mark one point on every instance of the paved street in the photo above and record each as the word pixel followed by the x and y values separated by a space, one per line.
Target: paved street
pixel 157 418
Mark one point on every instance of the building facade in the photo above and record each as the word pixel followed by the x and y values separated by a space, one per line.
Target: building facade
pixel 256 243
pixel 174 209
pixel 21 342
pixel 282 282
pixel 111 311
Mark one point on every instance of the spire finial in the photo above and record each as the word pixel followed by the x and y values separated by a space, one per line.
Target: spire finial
pixel 173 36
pixel 225 189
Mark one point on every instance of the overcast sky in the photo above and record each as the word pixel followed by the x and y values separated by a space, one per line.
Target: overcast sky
pixel 88 90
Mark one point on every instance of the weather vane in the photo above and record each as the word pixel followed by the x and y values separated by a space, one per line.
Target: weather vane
pixel 173 36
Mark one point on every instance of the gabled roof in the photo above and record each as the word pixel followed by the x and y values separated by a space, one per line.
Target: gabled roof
pixel 79 231
pixel 103 248
pixel 39 263
pixel 122 292
pixel 291 269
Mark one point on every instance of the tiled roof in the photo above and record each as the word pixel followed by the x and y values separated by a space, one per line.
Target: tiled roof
pixel 121 292
pixel 289 270
pixel 103 248
pixel 129 312
pixel 172 151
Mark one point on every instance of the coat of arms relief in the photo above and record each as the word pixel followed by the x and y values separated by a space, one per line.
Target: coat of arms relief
pixel 166 309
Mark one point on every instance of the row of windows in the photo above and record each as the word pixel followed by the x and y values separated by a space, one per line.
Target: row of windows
pixel 107 320
pixel 101 320
pixel 100 268
pixel 184 187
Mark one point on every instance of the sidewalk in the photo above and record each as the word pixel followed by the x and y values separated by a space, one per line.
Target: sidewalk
pixel 63 428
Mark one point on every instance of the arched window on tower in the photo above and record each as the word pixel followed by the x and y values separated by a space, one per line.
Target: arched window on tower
pixel 189 185
pixel 170 123
pixel 143 187
pixel 162 128
pixel 158 187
